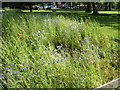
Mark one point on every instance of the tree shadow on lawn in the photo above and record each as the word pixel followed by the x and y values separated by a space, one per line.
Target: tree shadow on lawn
pixel 108 20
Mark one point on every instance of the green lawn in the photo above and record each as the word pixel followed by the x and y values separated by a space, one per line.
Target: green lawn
pixel 74 11
pixel 109 12
pixel 58 50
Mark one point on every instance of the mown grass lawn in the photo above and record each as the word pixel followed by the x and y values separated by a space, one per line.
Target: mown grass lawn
pixel 58 50
pixel 74 11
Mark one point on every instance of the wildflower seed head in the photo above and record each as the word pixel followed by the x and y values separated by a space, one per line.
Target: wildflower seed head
pixel 48 63
pixel 92 45
pixel 91 62
pixel 43 62
pixel 59 47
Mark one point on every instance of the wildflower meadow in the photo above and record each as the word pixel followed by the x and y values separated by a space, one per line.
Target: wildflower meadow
pixel 57 51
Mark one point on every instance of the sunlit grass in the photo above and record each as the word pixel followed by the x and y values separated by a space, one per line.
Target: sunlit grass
pixel 109 12
pixel 73 11
pixel 37 10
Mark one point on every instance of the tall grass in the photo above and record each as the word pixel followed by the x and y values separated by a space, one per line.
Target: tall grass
pixel 53 51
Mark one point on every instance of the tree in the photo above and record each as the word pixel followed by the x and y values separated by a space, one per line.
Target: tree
pixel 56 4
pixel 95 10
pixel 88 9
pixel 18 5
pixel 106 6
pixel 70 4
pixel 43 5
pixel 30 6
pixel 109 6
pixel 118 5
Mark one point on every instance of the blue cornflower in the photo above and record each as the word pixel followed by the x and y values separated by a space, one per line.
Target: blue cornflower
pixel 12 65
pixel 82 58
pixel 98 56
pixel 86 39
pixel 24 69
pixel 59 61
pixel 2 77
pixel 55 59
pixel 5 69
pixel 15 72
pixel 75 50
pixel 36 69
pixel 64 58
pixel 103 53
pixel 81 43
pixel 92 53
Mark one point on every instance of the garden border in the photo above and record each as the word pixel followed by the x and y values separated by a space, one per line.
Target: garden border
pixel 112 84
